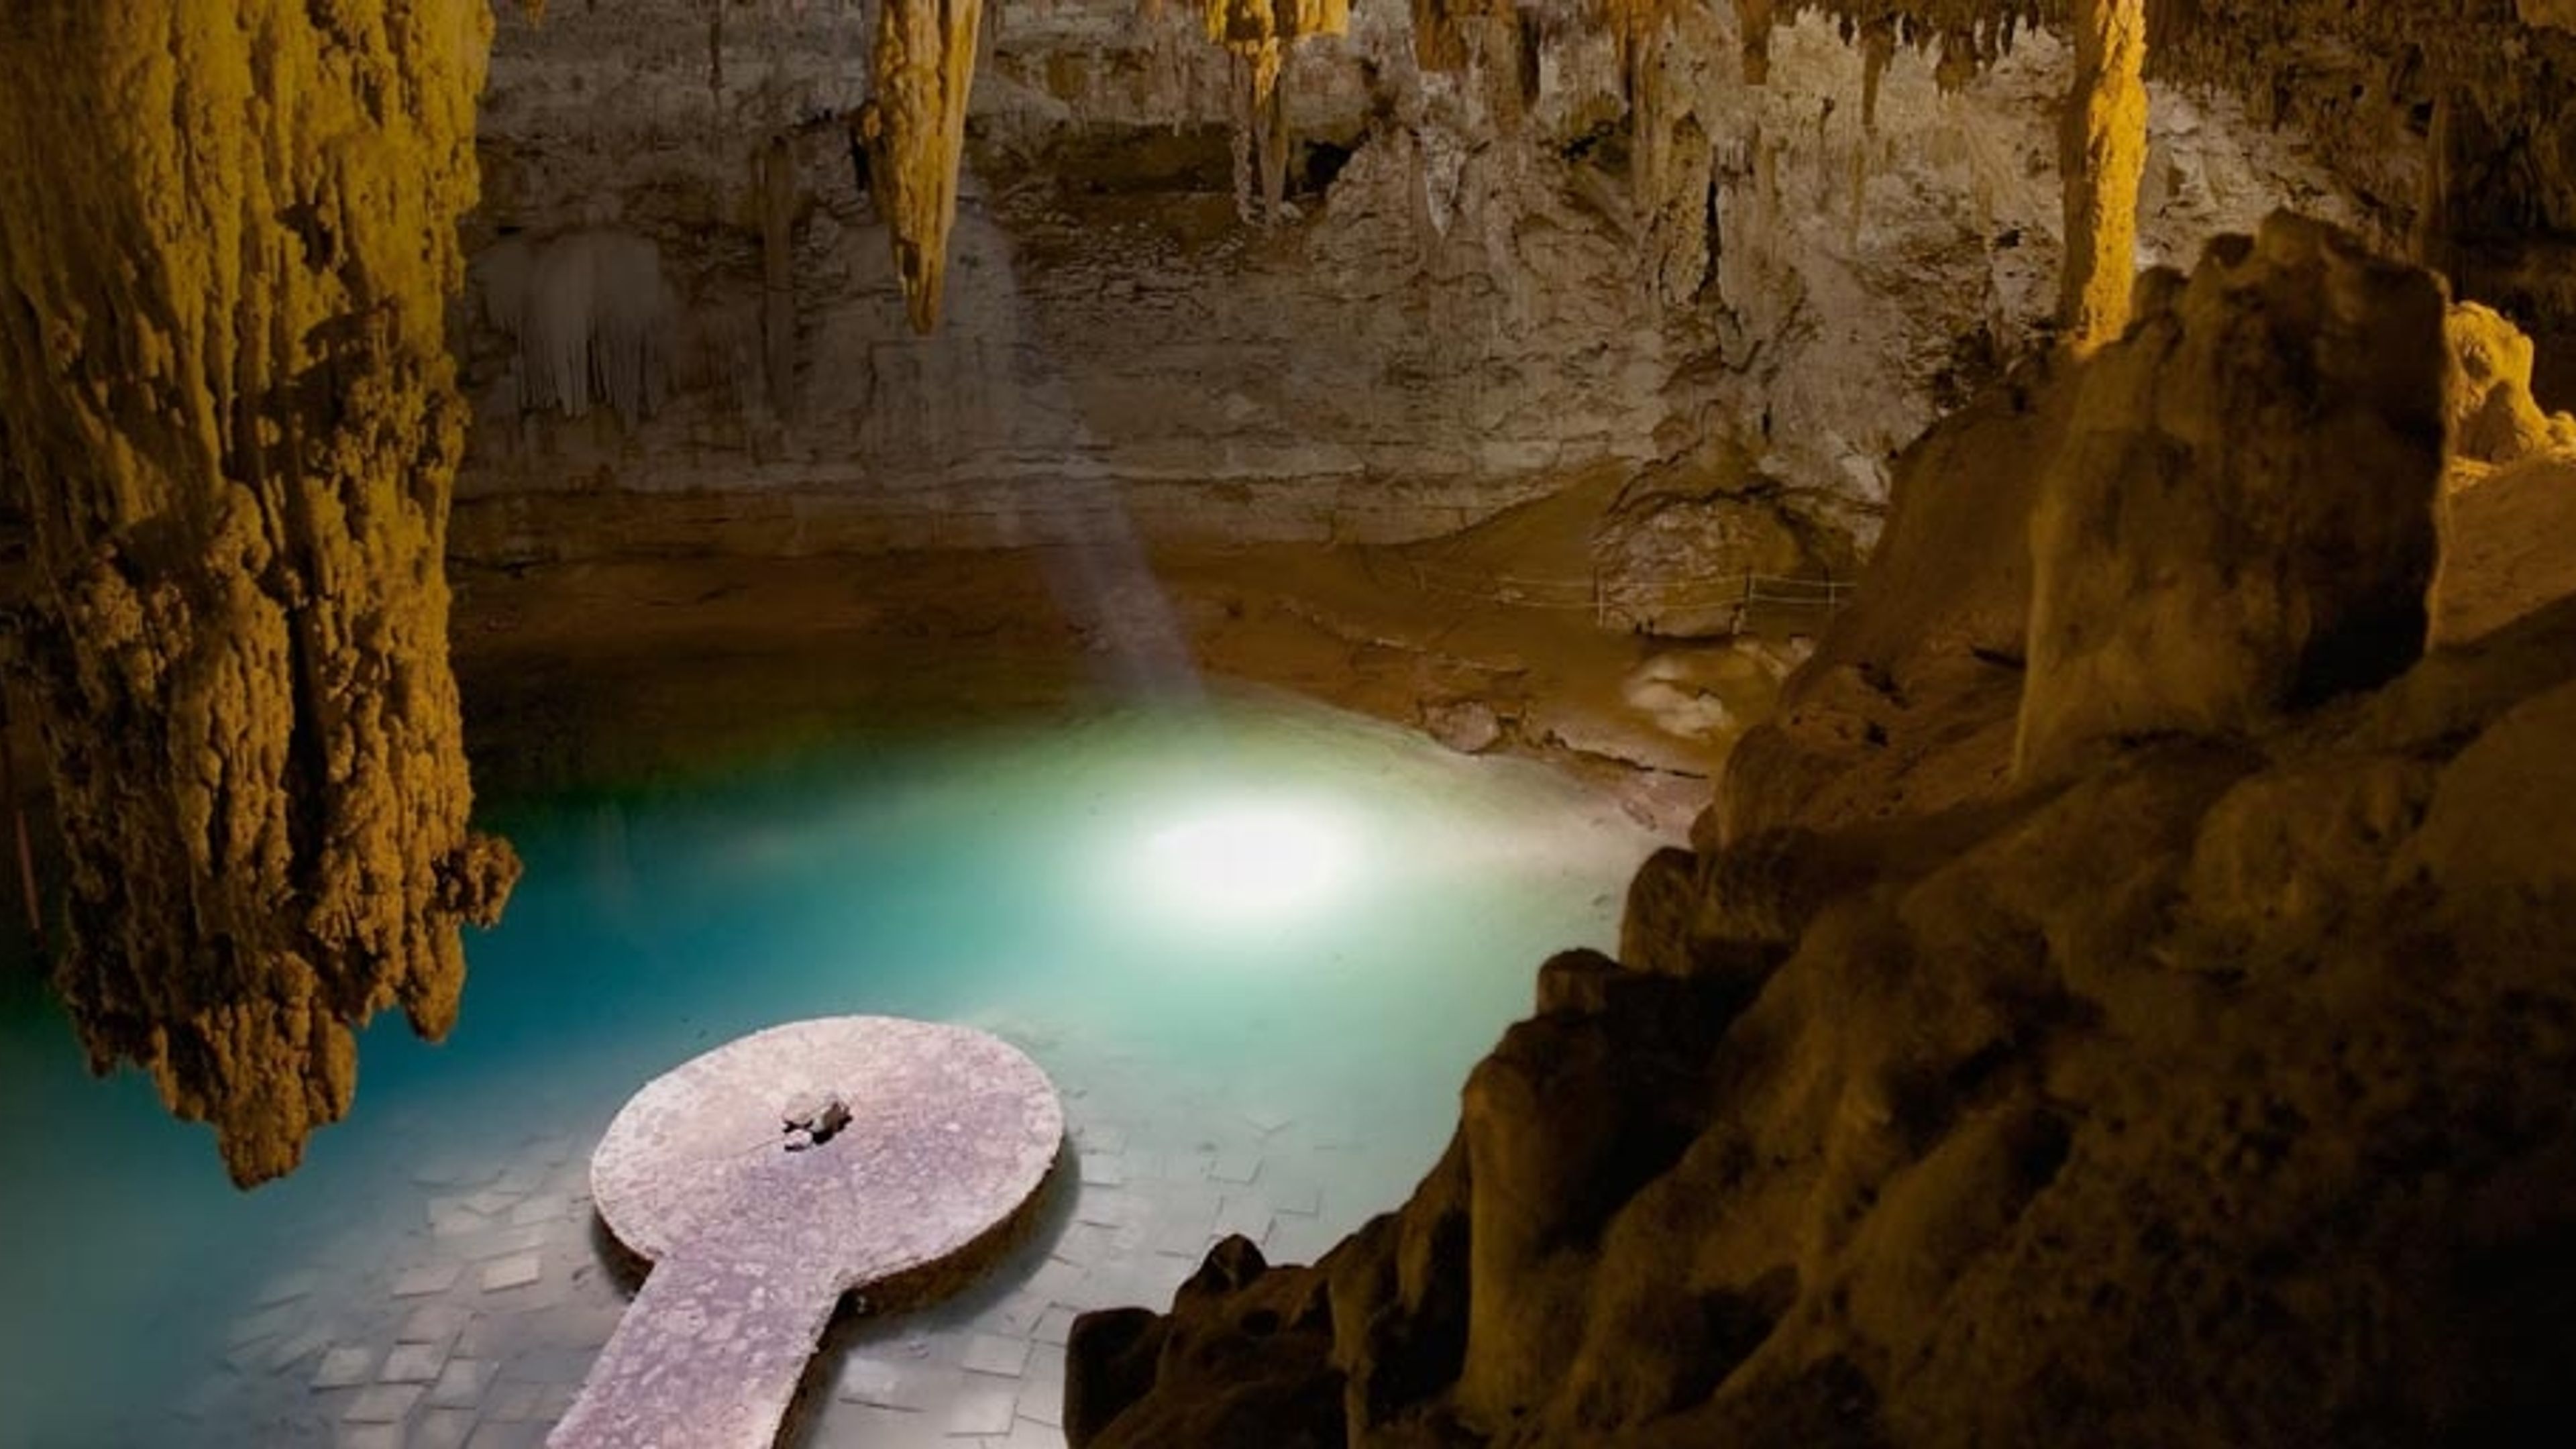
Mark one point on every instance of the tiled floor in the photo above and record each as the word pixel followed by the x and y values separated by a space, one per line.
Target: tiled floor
pixel 472 1324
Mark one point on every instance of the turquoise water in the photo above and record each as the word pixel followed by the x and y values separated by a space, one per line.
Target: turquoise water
pixel 1249 939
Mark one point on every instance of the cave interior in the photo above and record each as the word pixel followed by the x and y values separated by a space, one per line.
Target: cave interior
pixel 1680 722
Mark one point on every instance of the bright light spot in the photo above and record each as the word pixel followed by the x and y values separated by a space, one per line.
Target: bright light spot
pixel 1246 862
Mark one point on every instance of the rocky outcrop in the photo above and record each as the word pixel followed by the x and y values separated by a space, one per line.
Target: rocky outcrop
pixel 2206 1092
pixel 2490 412
pixel 2179 586
pixel 1258 34
pixel 2509 494
pixel 232 420
pixel 1698 546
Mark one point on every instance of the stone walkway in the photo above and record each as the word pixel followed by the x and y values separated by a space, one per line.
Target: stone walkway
pixel 937 1137
pixel 469 1319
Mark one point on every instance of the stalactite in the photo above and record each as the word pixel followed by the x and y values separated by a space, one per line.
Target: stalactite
pixel 2103 159
pixel 2430 241
pixel 1877 48
pixel 593 318
pixel 1970 35
pixel 1633 26
pixel 226 248
pixel 915 129
pixel 1440 28
pixel 1258 33
pixel 1753 19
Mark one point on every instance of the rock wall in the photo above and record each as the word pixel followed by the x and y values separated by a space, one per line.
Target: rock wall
pixel 2205 1092
pixel 2453 120
pixel 231 423
pixel 1560 247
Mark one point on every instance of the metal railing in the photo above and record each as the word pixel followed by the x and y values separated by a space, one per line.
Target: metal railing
pixel 1738 595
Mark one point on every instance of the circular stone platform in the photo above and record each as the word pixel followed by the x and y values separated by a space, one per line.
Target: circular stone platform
pixel 951 1131
pixel 757 1232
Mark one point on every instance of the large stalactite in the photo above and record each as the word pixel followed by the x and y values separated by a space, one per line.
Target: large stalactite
pixel 915 131
pixel 2103 160
pixel 227 241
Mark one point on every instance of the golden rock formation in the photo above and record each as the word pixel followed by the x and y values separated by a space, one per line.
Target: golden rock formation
pixel 1754 19
pixel 1259 32
pixel 227 241
pixel 2489 410
pixel 2104 159
pixel 915 132
pixel 1262 30
pixel 2179 584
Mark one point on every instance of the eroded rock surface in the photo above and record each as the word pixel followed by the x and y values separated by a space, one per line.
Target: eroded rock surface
pixel 1575 243
pixel 2195 572
pixel 232 421
pixel 2207 1093
pixel 2509 494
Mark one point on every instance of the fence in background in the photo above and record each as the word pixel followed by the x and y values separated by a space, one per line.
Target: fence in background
pixel 1737 598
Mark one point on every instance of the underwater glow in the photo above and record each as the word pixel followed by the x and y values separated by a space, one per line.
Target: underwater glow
pixel 1248 860
pixel 1256 946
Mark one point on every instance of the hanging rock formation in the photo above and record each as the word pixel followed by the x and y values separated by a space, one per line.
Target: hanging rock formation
pixel 2209 1092
pixel 2105 158
pixel 592 318
pixel 226 248
pixel 2103 154
pixel 915 131
pixel 1259 33
pixel 1970 35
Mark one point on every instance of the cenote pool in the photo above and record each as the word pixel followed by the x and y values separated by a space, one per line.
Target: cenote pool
pixel 1255 944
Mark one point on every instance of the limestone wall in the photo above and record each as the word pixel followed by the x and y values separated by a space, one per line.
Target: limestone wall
pixel 1554 256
